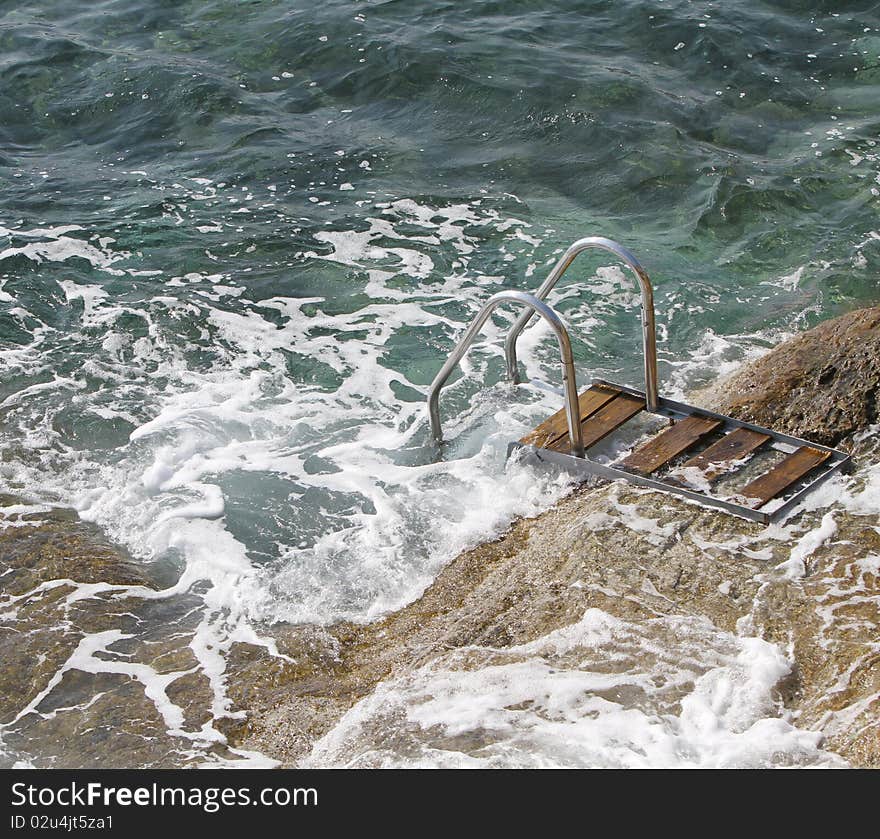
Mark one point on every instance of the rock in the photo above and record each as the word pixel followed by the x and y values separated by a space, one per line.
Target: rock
pixel 823 384
pixel 63 582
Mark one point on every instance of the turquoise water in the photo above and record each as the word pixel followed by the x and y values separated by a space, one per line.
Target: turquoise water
pixel 240 238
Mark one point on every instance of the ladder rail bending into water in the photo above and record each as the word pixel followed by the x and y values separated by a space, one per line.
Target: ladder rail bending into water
pixel 697 453
pixel 569 380
pixel 649 340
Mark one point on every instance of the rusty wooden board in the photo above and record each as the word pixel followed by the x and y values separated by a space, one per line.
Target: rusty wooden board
pixel 661 449
pixel 721 456
pixel 783 475
pixel 552 429
pixel 610 416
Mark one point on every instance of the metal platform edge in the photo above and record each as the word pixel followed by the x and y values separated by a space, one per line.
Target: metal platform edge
pixel 838 462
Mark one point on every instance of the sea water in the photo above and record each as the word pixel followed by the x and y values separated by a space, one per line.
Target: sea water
pixel 238 241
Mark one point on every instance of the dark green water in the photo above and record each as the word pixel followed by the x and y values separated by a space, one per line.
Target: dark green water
pixel 240 237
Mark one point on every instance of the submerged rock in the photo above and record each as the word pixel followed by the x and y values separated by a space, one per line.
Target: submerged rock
pixel 75 654
pixel 664 568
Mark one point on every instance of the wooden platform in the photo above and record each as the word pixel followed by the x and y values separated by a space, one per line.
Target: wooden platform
pixel 605 408
pixel 783 475
pixel 723 456
pixel 664 447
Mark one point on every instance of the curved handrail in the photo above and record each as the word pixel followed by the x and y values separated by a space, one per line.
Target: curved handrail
pixel 572 408
pixel 648 327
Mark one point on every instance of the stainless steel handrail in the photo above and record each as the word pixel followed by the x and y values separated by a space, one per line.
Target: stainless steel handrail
pixel 572 408
pixel 648 327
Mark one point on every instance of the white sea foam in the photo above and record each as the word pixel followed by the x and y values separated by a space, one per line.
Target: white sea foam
pixel 603 692
pixel 199 434
pixel 795 566
pixel 22 515
pixel 60 247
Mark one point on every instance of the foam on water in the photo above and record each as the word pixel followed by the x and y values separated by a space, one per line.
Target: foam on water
pixel 603 692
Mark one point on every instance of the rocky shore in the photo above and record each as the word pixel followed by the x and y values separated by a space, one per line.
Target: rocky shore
pixel 670 570
pixel 68 594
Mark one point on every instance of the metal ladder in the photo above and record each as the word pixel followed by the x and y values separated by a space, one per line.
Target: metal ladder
pixel 688 459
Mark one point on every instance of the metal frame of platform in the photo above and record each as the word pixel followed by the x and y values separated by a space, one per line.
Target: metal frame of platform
pixel 836 462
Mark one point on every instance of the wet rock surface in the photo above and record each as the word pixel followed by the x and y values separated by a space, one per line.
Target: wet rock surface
pixel 61 704
pixel 811 586
pixel 822 384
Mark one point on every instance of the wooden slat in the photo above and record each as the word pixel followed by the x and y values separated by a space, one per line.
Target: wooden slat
pixel 783 475
pixel 549 431
pixel 720 457
pixel 661 449
pixel 610 416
